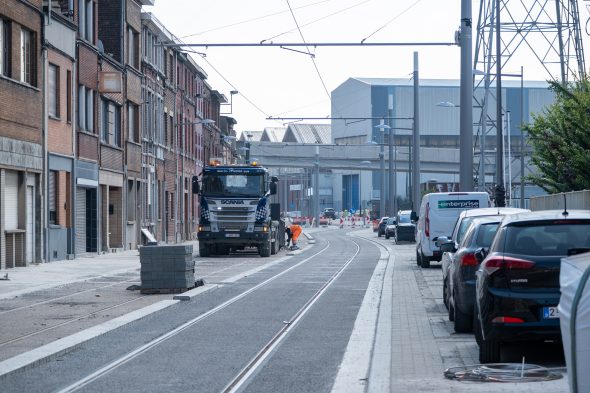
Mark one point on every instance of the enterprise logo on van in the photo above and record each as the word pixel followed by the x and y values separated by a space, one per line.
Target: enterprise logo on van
pixel 471 204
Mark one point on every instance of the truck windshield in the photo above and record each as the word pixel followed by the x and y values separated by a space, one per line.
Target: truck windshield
pixel 233 185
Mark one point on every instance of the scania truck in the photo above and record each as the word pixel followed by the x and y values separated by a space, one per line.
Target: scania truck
pixel 235 210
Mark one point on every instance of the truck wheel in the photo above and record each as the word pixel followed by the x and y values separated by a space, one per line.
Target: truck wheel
pixel 264 249
pixel 204 250
pixel 274 247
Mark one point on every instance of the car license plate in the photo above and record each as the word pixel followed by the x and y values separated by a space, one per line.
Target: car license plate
pixel 550 313
pixel 232 235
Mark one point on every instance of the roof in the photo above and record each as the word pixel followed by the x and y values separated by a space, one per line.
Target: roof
pixel 506 82
pixel 253 136
pixel 309 133
pixel 491 211
pixel 546 215
pixel 273 134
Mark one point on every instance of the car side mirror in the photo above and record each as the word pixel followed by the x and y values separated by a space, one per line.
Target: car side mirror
pixel 480 254
pixel 413 216
pixel 274 179
pixel 441 240
pixel 273 188
pixel 195 185
pixel 448 247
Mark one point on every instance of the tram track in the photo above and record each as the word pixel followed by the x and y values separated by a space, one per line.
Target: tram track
pixel 262 354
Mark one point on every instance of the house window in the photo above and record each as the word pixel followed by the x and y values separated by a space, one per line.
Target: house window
pixel 69 96
pixel 53 90
pixel 86 20
pixel 111 123
pixel 85 108
pixel 133 45
pixel 5 47
pixel 133 122
pixel 27 57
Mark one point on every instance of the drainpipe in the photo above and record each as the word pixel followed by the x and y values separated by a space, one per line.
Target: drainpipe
pixel 43 193
pixel 175 130
pixel 74 177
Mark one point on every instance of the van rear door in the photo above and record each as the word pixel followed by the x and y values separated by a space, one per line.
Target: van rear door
pixel 446 207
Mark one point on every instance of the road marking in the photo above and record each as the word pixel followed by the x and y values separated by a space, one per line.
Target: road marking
pixel 357 364
pixel 63 345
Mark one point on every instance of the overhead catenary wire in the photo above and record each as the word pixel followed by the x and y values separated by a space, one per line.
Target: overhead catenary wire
pixel 317 20
pixel 311 57
pixel 391 20
pixel 254 19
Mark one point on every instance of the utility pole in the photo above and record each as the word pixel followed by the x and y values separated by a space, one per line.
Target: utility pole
pixel 392 158
pixel 500 192
pixel 416 195
pixel 522 137
pixel 382 170
pixel 466 101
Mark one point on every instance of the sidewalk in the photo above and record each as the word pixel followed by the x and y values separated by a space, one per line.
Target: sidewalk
pixel 37 277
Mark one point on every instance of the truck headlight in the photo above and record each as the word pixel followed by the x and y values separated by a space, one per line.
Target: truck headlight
pixel 263 228
pixel 204 228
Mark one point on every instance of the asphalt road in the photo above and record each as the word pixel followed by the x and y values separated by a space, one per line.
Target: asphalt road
pixel 298 313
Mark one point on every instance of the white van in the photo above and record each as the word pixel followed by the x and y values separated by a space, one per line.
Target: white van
pixel 438 214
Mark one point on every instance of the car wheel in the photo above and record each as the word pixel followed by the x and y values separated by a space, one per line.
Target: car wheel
pixel 424 262
pixel 446 293
pixel 451 311
pixel 387 236
pixel 489 351
pixel 463 322
pixel 476 327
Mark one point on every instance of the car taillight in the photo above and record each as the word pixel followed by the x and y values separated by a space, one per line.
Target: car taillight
pixel 496 263
pixel 468 259
pixel 507 320
pixel 427 221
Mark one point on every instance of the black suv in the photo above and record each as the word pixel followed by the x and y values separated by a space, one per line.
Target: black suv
pixel 404 227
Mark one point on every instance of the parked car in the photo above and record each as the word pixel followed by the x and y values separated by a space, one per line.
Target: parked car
pixel 329 213
pixel 390 227
pixel 438 214
pixel 405 229
pixel 517 287
pixel 461 275
pixel 381 226
pixel 461 225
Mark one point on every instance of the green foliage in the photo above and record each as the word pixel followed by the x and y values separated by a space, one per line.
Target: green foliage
pixel 560 139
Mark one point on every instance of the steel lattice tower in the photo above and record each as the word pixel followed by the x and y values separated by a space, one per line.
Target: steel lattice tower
pixel 542 35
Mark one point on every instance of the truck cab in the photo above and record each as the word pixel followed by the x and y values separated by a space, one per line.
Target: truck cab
pixel 235 210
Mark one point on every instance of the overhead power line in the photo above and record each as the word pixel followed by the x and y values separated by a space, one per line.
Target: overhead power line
pixel 391 20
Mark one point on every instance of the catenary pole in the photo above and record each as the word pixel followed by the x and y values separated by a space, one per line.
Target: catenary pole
pixel 466 119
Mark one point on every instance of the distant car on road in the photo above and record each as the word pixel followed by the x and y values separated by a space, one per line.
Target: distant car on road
pixel 381 226
pixel 405 229
pixel 517 287
pixel 390 227
pixel 329 213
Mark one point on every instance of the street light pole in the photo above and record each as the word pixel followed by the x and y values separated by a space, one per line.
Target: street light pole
pixel 382 127
pixel 392 164
pixel 466 103
pixel 416 197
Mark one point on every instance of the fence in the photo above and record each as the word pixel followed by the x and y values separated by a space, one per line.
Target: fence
pixel 575 200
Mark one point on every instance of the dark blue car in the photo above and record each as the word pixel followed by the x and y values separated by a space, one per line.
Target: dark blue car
pixel 517 288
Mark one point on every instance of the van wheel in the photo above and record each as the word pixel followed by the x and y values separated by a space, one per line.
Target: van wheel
pixel 418 261
pixel 424 262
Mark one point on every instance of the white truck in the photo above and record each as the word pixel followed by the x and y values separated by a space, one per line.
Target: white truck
pixel 235 210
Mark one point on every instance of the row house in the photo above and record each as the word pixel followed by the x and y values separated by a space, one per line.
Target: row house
pixel 103 124
pixel 22 132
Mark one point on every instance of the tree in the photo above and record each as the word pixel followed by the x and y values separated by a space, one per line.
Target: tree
pixel 560 139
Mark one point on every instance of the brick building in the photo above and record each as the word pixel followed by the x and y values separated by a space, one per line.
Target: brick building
pixel 21 133
pixel 60 35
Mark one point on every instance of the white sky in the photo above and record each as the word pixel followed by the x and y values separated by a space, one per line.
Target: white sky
pixel 284 83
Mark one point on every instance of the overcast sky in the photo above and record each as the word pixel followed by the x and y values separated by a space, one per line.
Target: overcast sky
pixel 277 82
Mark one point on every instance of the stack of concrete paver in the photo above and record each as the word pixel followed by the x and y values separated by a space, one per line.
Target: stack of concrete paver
pixel 167 268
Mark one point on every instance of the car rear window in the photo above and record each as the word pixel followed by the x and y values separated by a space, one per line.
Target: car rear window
pixel 486 233
pixel 547 238
pixel 463 226
pixel 390 221
pixel 404 218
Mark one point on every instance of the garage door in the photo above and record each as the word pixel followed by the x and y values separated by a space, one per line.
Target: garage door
pixel 80 220
pixel 30 234
pixel 11 205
